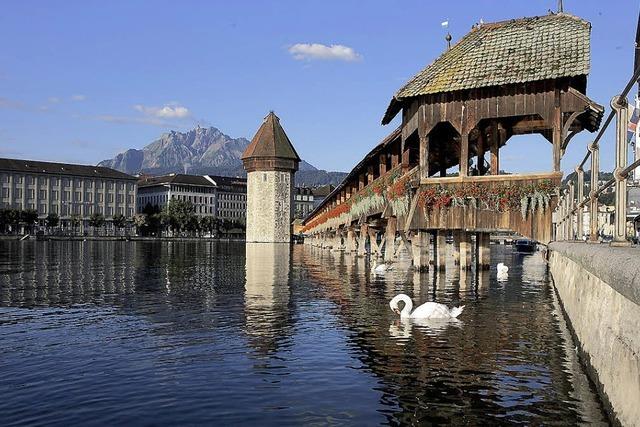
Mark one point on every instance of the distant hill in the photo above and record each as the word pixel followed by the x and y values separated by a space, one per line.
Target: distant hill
pixel 203 151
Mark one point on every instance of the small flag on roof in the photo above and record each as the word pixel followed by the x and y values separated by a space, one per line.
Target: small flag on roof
pixel 633 124
pixel 445 24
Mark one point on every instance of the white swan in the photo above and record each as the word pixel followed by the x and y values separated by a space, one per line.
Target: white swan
pixel 380 268
pixel 503 272
pixel 428 310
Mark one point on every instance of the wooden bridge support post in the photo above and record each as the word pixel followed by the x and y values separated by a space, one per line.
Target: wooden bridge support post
pixel 390 239
pixel 337 241
pixel 557 132
pixel 494 147
pixel 420 250
pixel 362 240
pixel 455 252
pixel 350 243
pixel 441 249
pixel 373 243
pixel 483 251
pixel 465 250
pixel 424 156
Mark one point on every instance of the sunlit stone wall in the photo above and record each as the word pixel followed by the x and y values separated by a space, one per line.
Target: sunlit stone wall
pixel 269 195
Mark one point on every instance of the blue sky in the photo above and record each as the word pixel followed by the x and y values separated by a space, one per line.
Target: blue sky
pixel 83 80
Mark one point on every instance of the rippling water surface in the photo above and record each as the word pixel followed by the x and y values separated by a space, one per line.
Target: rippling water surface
pixel 107 333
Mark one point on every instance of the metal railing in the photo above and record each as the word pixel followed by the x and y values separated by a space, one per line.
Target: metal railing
pixel 571 204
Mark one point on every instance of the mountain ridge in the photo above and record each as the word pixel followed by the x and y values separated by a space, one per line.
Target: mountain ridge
pixel 200 151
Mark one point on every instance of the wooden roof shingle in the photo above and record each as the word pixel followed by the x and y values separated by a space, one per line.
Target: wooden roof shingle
pixel 507 52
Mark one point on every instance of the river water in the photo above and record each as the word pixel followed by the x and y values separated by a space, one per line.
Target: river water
pixel 110 333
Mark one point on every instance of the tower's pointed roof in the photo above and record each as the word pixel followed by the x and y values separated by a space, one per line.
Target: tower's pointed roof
pixel 270 142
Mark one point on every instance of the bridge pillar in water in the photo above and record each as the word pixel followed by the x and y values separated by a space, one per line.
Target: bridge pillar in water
pixel 441 249
pixel 337 241
pixel 326 240
pixel 420 249
pixel 390 239
pixel 362 240
pixel 457 236
pixel 465 250
pixel 350 243
pixel 483 251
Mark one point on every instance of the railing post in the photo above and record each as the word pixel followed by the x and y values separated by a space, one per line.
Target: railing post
pixel 621 107
pixel 580 218
pixel 593 203
pixel 566 215
pixel 572 206
pixel 563 212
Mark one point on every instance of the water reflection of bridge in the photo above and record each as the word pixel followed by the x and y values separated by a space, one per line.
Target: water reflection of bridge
pixel 449 372
pixel 501 80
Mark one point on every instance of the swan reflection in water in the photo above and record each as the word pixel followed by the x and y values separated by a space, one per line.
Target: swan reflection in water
pixel 402 329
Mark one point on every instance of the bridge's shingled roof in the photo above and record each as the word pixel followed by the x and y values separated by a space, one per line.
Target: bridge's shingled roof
pixel 507 52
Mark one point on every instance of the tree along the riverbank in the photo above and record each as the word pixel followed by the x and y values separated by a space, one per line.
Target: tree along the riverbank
pixel 12 219
pixel 179 218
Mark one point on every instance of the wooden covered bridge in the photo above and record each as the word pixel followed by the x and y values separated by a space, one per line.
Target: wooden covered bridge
pixel 502 79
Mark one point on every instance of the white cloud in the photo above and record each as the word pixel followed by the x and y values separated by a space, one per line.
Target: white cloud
pixel 53 100
pixel 168 111
pixel 78 97
pixel 312 51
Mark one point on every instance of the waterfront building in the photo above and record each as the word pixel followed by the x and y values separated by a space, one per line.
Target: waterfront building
pixel 231 198
pixel 66 190
pixel 270 161
pixel 218 196
pixel 320 193
pixel 158 190
pixel 303 202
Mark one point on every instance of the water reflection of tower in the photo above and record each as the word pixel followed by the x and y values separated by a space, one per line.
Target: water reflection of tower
pixel 267 295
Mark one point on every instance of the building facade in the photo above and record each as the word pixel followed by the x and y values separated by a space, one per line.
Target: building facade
pixel 217 196
pixel 303 202
pixel 320 193
pixel 159 190
pixel 270 161
pixel 232 198
pixel 66 190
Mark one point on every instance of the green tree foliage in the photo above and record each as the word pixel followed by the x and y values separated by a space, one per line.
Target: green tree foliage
pixel 119 221
pixel 179 215
pixel 140 221
pixel 52 220
pixel 29 217
pixel 75 222
pixel 96 220
pixel 209 224
pixel 152 220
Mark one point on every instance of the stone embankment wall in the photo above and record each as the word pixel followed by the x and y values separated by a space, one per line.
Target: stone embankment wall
pixel 599 287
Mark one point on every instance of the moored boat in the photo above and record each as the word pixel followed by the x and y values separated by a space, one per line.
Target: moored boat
pixel 525 245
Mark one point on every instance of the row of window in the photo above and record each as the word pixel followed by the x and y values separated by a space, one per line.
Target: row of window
pixel 190 189
pixel 66 196
pixel 232 196
pixel 67 182
pixel 230 214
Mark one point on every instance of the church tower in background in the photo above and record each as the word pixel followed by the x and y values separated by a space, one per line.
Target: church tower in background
pixel 270 161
